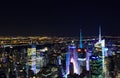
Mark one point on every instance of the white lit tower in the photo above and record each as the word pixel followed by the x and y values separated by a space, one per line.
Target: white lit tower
pixel 100 49
pixel 31 54
pixel 98 58
pixel 99 33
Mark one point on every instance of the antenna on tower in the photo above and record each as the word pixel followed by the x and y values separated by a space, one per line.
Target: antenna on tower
pixel 99 33
pixel 81 46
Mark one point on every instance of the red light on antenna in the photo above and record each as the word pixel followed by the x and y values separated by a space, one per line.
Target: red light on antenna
pixel 79 50
pixel 85 50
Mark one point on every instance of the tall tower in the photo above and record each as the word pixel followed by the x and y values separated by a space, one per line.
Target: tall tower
pixel 99 54
pixel 31 55
pixel 72 57
pixel 81 54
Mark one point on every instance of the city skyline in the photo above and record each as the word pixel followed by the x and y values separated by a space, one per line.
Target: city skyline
pixel 59 18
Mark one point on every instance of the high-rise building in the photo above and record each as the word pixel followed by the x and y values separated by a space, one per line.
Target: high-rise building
pixel 99 52
pixel 72 57
pixel 81 54
pixel 31 54
pixel 89 52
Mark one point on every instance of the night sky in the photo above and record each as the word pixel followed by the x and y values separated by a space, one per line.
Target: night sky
pixel 59 18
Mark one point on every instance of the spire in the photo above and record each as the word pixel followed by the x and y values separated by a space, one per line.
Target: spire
pixel 99 33
pixel 81 46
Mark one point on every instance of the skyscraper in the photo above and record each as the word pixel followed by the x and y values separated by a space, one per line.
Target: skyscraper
pixel 99 54
pixel 31 54
pixel 81 54
pixel 72 57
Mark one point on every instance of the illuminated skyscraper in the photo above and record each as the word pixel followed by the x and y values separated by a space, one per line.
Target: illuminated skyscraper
pixel 88 54
pixel 81 54
pixel 72 57
pixel 100 53
pixel 31 54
